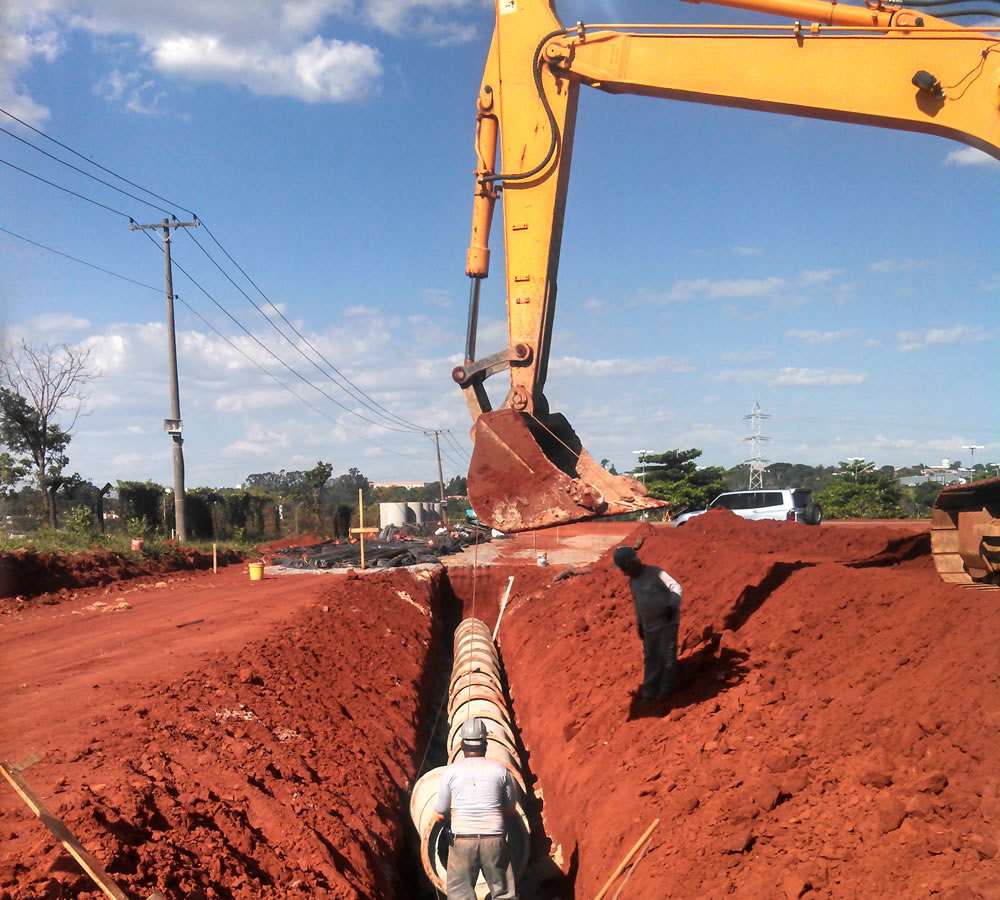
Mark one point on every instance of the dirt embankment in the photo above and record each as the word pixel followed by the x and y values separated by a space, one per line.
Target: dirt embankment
pixel 26 576
pixel 834 733
pixel 276 769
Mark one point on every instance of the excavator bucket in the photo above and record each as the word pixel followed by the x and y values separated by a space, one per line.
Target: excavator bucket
pixel 965 533
pixel 526 475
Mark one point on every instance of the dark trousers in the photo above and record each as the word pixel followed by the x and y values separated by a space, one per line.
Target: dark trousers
pixel 468 856
pixel 659 658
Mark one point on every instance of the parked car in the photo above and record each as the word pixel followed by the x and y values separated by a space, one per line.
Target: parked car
pixel 786 504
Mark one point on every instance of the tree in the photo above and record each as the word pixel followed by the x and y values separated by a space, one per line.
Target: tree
pixel 924 496
pixel 314 481
pixel 674 476
pixel 37 384
pixel 858 491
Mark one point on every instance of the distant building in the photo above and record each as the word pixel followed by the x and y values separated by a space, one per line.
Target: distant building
pixel 392 484
pixel 942 474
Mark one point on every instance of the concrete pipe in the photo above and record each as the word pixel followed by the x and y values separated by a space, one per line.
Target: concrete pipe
pixel 475 691
pixel 472 658
pixel 496 737
pixel 472 674
pixel 472 692
pixel 392 514
pixel 416 512
pixel 475 707
pixel 433 849
pixel 475 676
pixel 474 645
pixel 473 626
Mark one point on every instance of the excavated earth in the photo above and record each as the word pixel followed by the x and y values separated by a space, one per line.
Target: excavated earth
pixel 834 733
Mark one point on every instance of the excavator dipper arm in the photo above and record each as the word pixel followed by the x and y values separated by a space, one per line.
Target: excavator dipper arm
pixel 877 65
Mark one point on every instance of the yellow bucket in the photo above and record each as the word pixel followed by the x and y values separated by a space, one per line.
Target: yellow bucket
pixel 256 571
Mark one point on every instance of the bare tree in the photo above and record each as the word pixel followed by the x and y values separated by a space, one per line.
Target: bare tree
pixel 38 383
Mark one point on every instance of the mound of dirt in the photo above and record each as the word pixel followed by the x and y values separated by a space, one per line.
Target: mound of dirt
pixel 279 769
pixel 834 733
pixel 28 573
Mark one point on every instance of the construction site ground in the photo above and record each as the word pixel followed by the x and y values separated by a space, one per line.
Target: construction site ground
pixel 834 732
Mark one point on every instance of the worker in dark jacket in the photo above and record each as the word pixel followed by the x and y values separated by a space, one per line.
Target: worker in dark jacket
pixel 477 794
pixel 657 601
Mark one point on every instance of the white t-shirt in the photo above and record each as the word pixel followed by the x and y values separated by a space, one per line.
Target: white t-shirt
pixel 476 790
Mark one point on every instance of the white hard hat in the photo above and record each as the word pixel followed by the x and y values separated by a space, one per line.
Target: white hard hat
pixel 474 731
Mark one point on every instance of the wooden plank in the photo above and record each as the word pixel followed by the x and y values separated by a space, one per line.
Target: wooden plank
pixel 87 862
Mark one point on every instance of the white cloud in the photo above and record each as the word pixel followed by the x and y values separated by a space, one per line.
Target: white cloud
pixel 773 287
pixel 790 376
pixel 58 322
pixel 811 336
pixel 747 251
pixel 723 289
pixel 817 276
pixel 969 156
pixel 747 356
pixel 25 35
pixel 130 89
pixel 273 49
pixel 896 266
pixel 436 297
pixel 315 71
pixel 956 334
pixel 602 368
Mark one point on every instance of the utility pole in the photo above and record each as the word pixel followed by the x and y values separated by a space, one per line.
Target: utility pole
pixel 642 460
pixel 437 448
pixel 173 425
pixel 972 448
pixel 755 461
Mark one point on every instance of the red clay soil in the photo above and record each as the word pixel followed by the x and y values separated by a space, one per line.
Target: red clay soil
pixel 834 733
pixel 27 575
pixel 217 738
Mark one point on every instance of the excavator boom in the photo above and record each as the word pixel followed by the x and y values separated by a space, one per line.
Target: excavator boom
pixel 875 64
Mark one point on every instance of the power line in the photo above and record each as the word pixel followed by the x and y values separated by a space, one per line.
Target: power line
pixel 465 453
pixel 279 360
pixel 91 162
pixel 305 340
pixel 298 349
pixel 209 325
pixel 357 394
pixel 83 172
pixel 82 262
pixel 67 190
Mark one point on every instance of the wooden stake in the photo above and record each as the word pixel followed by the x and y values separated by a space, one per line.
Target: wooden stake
pixel 87 862
pixel 624 862
pixel 215 561
pixel 361 531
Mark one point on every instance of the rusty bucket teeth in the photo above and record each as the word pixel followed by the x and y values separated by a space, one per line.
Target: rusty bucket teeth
pixel 526 475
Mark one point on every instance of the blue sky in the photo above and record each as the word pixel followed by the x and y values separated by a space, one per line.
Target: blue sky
pixel 845 278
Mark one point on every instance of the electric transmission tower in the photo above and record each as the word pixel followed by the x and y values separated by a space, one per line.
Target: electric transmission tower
pixel 755 462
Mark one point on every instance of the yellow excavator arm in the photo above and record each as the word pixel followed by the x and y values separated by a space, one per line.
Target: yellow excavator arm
pixel 877 65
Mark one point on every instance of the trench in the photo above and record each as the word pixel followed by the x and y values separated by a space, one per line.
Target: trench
pixel 456 595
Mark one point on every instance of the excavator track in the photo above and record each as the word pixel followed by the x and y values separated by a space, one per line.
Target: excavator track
pixel 965 534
